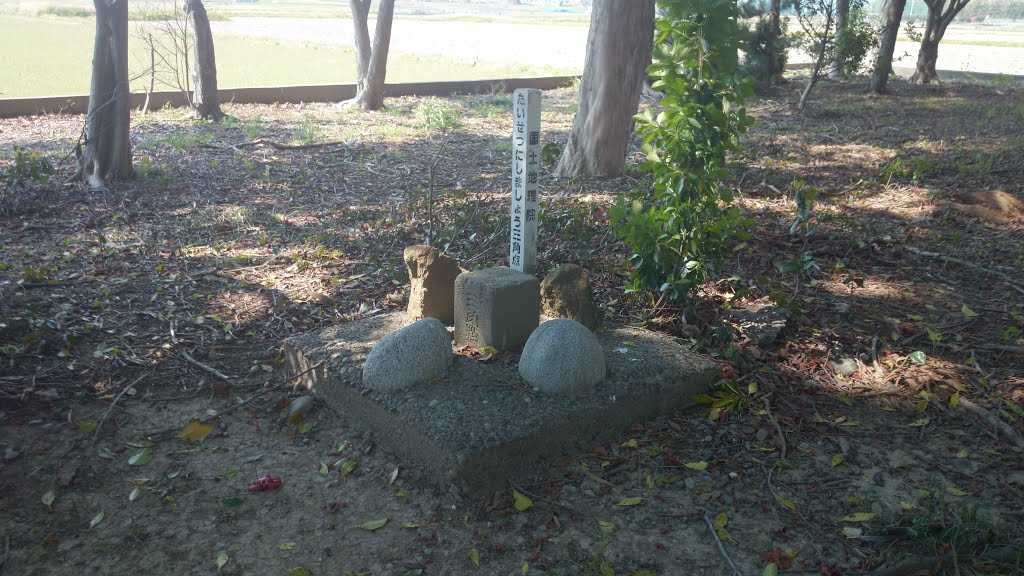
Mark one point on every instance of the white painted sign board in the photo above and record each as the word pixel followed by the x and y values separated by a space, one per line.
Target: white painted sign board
pixel 522 254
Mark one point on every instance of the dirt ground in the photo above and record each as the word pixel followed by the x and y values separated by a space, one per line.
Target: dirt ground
pixel 127 312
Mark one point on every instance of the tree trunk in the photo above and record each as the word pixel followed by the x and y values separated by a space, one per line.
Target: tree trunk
pixel 360 16
pixel 886 46
pixel 927 57
pixel 205 100
pixel 775 64
pixel 370 90
pixel 618 47
pixel 108 149
pixel 940 15
pixel 839 56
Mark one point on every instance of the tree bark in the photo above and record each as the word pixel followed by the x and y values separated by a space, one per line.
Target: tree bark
pixel 360 17
pixel 838 56
pixel 108 150
pixel 370 89
pixel 619 47
pixel 886 46
pixel 940 14
pixel 775 64
pixel 205 100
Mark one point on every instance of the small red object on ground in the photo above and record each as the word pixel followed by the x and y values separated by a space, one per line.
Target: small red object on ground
pixel 267 482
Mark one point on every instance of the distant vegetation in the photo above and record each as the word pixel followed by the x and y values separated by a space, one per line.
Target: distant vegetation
pixel 140 15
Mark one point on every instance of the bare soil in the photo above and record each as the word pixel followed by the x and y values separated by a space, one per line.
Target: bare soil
pixel 224 245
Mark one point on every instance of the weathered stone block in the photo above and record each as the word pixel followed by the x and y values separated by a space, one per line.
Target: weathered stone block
pixel 497 307
pixel 432 278
pixel 566 293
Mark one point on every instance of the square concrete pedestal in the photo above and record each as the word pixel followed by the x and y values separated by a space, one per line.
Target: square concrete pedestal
pixel 481 425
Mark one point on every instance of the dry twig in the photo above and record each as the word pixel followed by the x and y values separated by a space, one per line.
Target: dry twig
pixel 213 371
pixel 721 547
pixel 99 425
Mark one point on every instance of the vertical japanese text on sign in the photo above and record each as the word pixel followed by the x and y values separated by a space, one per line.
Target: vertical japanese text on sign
pixel 525 165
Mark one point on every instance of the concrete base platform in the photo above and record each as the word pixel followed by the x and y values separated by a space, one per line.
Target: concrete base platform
pixel 481 425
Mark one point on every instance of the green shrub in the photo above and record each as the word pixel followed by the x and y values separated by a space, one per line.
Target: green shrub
pixel 27 167
pixel 757 51
pixel 857 40
pixel 680 225
pixel 439 115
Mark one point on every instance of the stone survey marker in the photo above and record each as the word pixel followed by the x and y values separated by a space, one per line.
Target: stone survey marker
pixel 473 426
pixel 497 307
pixel 522 250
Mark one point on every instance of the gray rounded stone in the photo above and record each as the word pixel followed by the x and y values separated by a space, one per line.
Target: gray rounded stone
pixel 562 357
pixel 417 353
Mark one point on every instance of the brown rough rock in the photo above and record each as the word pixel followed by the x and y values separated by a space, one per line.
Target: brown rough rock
pixel 565 293
pixel 432 275
pixel 995 206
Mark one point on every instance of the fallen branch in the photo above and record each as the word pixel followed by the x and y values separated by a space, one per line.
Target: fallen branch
pixel 1004 276
pixel 277 145
pixel 994 421
pixel 213 371
pixel 782 456
pixel 721 547
pixel 99 425
pixel 160 433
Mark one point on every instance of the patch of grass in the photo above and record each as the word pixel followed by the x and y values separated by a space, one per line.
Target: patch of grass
pixel 398 131
pixel 176 141
pixel 253 127
pixel 940 525
pixel 307 132
pixel 438 115
pixel 67 11
pixel 495 106
pixel 915 169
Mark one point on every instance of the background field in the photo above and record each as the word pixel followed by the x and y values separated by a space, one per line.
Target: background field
pixel 288 43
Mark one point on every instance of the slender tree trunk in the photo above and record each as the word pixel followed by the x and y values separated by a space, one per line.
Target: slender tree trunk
pixel 205 100
pixel 819 61
pixel 839 56
pixel 360 17
pixel 152 73
pixel 940 14
pixel 370 88
pixel 373 95
pixel 618 47
pixel 886 46
pixel 775 64
pixel 108 149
